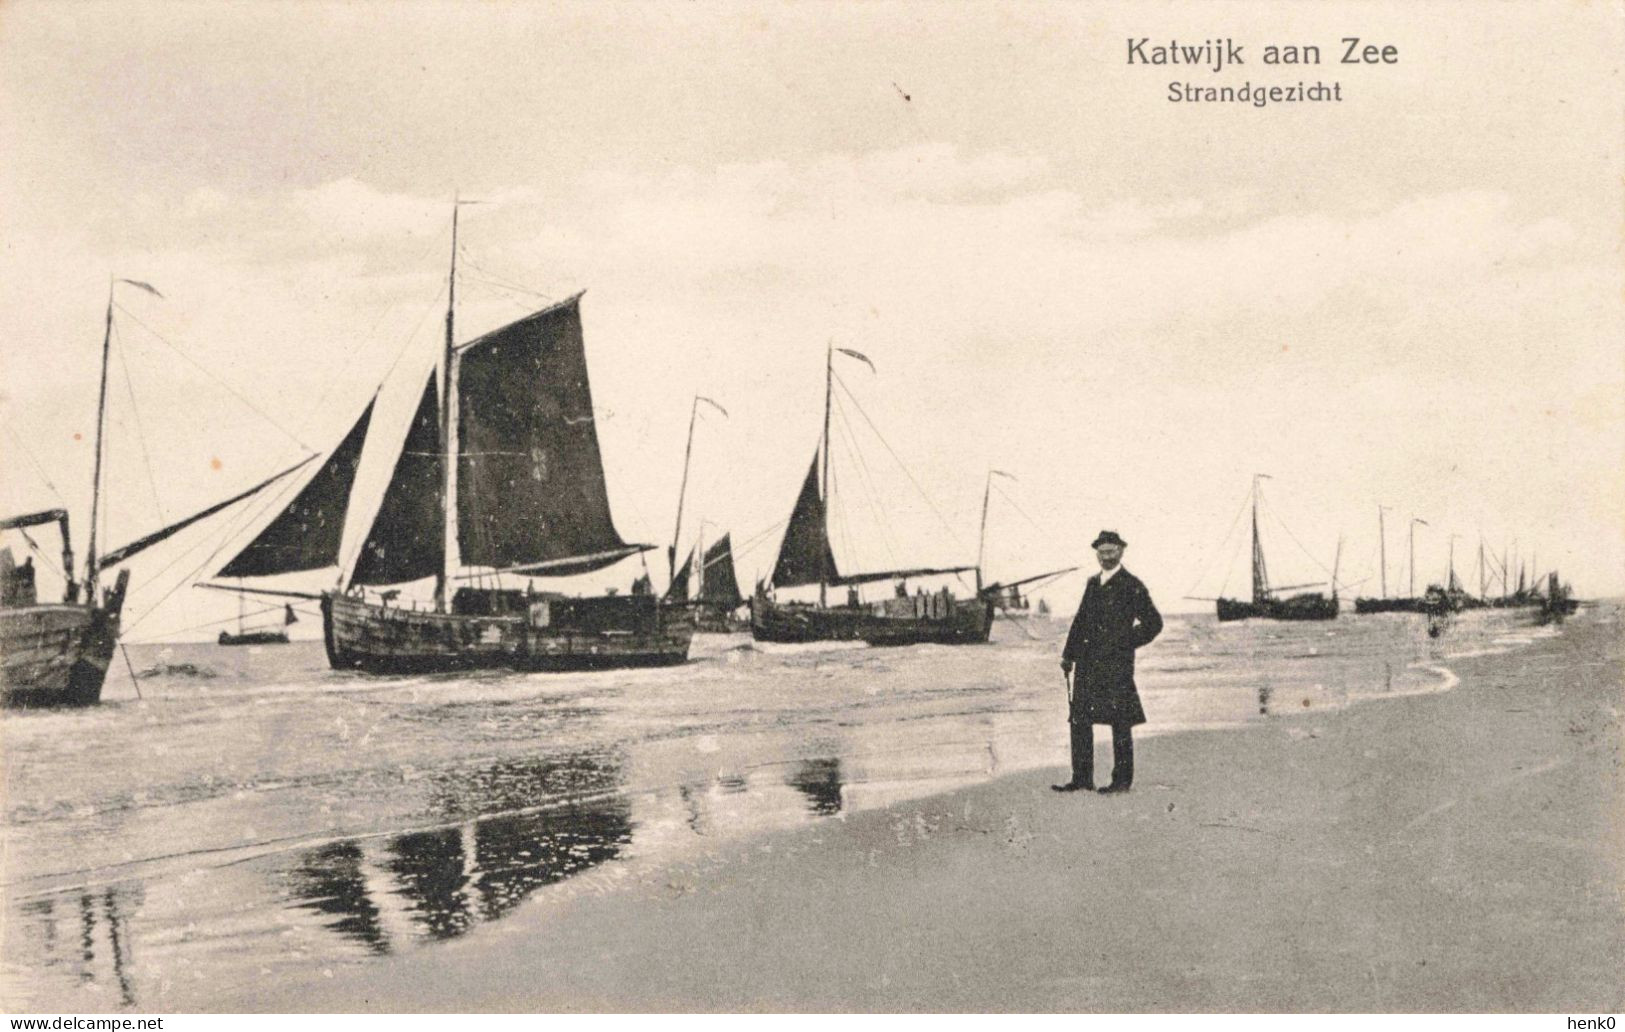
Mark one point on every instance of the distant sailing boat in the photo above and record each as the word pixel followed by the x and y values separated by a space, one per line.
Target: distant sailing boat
pixel 705 583
pixel 1385 604
pixel 57 654
pixel 501 471
pixel 1265 603
pixel 806 558
pixel 263 636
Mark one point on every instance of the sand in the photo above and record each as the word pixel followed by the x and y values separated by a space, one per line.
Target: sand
pixel 1457 852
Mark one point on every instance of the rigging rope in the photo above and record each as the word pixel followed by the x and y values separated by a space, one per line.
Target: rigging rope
pixel 34 462
pixel 229 388
pixel 216 623
pixel 1209 565
pixel 866 483
pixel 140 432
pixel 932 505
pixel 32 544
pixel 1280 523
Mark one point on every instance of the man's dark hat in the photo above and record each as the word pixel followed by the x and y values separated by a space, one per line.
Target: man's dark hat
pixel 1108 537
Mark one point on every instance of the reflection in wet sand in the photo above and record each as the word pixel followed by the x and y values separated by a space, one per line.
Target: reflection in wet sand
pixel 282 861
pixel 84 935
pixel 820 781
pixel 446 880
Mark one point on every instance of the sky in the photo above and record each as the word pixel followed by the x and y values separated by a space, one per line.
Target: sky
pixel 1413 298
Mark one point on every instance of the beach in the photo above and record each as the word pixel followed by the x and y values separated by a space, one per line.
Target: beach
pixel 1448 851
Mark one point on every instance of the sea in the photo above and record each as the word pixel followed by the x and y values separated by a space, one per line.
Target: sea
pixel 237 815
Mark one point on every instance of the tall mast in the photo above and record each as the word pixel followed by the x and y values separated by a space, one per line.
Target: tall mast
pixel 699 562
pixel 1450 572
pixel 1410 564
pixel 96 477
pixel 1382 537
pixel 447 459
pixel 1481 593
pixel 677 531
pixel 1411 591
pixel 1337 560
pixel 829 391
pixel 981 537
pixel 1260 578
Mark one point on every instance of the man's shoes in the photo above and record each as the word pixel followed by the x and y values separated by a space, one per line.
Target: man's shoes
pixel 1115 788
pixel 1074 786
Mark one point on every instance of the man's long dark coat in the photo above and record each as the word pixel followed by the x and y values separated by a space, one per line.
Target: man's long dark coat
pixel 1113 620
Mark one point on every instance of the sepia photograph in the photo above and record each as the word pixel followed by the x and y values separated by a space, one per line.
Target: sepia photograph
pixel 786 508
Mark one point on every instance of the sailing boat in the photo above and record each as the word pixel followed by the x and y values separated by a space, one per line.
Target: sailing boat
pixel 262 636
pixel 500 471
pixel 1385 604
pixel 57 654
pixel 806 558
pixel 707 572
pixel 1265 602
pixel 706 581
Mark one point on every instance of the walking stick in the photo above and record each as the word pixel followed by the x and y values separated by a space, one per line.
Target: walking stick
pixel 1068 679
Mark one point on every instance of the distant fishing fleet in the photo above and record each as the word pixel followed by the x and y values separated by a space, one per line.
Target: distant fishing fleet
pixel 498 484
pixel 1437 601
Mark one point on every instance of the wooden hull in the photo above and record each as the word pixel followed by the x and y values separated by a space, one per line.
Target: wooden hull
pixel 554 635
pixel 1387 605
pixel 1299 607
pixel 254 638
pixel 55 655
pixel 949 622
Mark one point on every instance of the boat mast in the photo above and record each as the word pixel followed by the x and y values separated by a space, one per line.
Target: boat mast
pixel 1382 548
pixel 447 460
pixel 96 477
pixel 981 537
pixel 677 531
pixel 1337 560
pixel 1261 587
pixel 1481 588
pixel 1412 563
pixel 829 393
pixel 699 562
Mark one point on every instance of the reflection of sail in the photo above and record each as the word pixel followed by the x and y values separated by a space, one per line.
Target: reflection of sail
pixel 72 928
pixel 452 878
pixel 820 782
pixel 330 880
pixel 518 855
pixel 428 867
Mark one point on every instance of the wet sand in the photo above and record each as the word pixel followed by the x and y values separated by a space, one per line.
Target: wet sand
pixel 1458 852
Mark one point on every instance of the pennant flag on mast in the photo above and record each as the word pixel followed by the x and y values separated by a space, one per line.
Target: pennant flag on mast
pixel 860 356
pixel 148 287
pixel 708 401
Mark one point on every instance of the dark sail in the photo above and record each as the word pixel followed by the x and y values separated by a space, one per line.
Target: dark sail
pixel 306 535
pixel 407 540
pixel 678 591
pixel 720 585
pixel 530 478
pixel 118 555
pixel 805 556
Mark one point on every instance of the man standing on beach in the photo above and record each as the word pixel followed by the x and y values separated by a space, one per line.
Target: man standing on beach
pixel 1115 617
